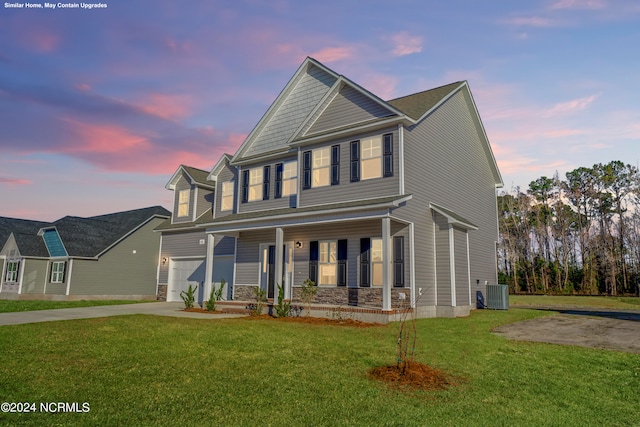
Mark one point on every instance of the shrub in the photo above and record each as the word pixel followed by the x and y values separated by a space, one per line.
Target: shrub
pixel 261 299
pixel 309 291
pixel 216 295
pixel 189 296
pixel 283 309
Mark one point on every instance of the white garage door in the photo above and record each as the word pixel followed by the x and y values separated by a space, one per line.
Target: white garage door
pixel 183 273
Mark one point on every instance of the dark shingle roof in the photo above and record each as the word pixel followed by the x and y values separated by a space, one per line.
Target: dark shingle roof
pixel 18 226
pixel 83 237
pixel 88 237
pixel 419 103
pixel 199 175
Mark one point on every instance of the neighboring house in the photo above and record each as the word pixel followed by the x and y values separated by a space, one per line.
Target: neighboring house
pixel 382 204
pixel 105 256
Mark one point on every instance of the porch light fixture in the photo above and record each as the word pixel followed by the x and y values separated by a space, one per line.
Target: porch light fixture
pixel 298 244
pixel 164 260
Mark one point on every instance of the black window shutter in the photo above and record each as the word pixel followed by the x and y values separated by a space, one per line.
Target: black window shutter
pixel 313 261
pixel 365 262
pixel 306 169
pixel 245 186
pixel 342 262
pixel 335 164
pixel 388 154
pixel 355 161
pixel 398 261
pixel 266 176
pixel 278 189
pixel 64 272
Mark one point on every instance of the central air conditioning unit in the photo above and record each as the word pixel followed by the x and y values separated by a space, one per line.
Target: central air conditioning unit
pixel 498 297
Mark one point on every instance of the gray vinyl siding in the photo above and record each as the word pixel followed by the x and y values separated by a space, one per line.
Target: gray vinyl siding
pixel 443 260
pixel 226 174
pixel 347 190
pixel 272 202
pixel 446 164
pixel 461 267
pixel 348 107
pixel 248 257
pixel 1 269
pixel 204 201
pixel 35 276
pixel 119 271
pixel 224 245
pixel 184 244
pixel 183 184
pixel 299 103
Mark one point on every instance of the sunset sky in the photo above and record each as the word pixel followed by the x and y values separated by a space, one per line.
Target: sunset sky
pixel 99 107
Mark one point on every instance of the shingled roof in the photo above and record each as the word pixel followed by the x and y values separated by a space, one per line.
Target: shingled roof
pixel 416 105
pixel 82 237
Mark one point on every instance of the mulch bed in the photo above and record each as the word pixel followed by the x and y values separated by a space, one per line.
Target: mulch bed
pixel 201 310
pixel 319 321
pixel 417 376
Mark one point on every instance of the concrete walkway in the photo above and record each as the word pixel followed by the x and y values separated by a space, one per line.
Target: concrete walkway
pixel 173 309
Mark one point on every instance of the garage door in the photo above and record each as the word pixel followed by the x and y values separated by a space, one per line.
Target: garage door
pixel 183 273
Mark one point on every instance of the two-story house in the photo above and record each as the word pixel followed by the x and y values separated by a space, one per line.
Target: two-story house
pixel 381 203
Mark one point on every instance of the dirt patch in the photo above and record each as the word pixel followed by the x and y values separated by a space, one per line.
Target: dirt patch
pixel 417 376
pixel 595 329
pixel 318 321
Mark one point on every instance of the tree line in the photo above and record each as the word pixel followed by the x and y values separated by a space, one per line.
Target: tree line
pixel 578 235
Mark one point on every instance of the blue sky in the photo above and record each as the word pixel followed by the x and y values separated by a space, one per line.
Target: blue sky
pixel 99 107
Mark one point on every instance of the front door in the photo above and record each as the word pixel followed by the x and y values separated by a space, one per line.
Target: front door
pixel 268 281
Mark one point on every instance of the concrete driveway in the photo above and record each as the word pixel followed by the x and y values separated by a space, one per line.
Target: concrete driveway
pixel 173 309
pixel 596 328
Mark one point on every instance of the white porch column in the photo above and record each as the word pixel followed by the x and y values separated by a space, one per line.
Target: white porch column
pixel 279 260
pixel 412 264
pixel 208 268
pixel 387 260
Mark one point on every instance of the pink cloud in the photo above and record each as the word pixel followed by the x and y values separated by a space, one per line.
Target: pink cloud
pixel 381 85
pixel 570 106
pixel 332 54
pixel 14 181
pixel 578 4
pixel 41 41
pixel 405 44
pixel 168 107
pixel 104 139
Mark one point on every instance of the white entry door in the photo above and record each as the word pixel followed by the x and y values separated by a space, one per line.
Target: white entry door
pixel 185 272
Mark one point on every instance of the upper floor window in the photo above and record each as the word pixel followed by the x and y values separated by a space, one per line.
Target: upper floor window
pixel 57 272
pixel 183 203
pixel 286 179
pixel 372 157
pixel 227 196
pixel 255 184
pixel 321 167
pixel 12 271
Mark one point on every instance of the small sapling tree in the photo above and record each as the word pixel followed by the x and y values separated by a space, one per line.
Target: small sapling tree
pixel 309 291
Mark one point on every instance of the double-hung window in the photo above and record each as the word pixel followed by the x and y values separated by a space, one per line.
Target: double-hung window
pixel 328 262
pixel 371 158
pixel 286 179
pixel 12 271
pixel 376 262
pixel 321 167
pixel 227 196
pixel 57 272
pixel 183 203
pixel 255 184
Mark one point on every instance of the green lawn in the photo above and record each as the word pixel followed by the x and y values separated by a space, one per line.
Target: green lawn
pixel 147 370
pixel 10 306
pixel 575 301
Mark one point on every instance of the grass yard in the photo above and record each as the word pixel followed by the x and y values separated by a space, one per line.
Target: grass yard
pixel 575 301
pixel 11 306
pixel 146 370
